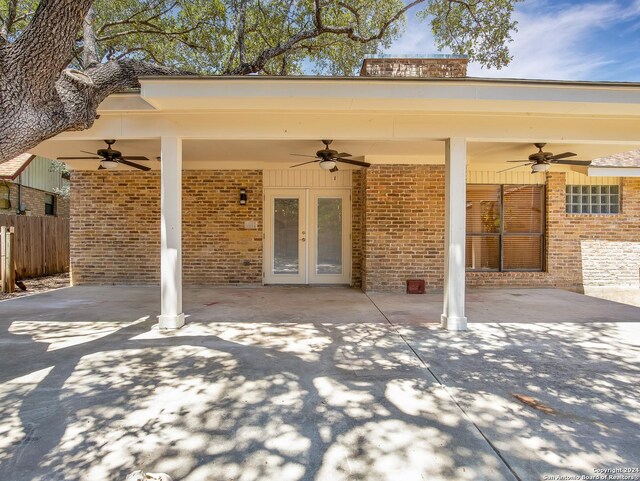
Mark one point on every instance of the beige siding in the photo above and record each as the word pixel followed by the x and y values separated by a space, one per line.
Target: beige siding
pixel 306 178
pixel 576 178
pixel 39 176
pixel 523 176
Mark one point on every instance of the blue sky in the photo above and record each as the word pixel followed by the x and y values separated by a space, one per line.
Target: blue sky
pixel 561 40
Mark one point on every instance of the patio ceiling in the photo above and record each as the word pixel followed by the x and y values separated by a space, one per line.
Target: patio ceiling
pixel 212 154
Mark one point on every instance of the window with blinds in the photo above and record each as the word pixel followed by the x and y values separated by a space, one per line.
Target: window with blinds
pixel 505 227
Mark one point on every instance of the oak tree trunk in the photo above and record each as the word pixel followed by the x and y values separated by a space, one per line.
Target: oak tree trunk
pixel 39 96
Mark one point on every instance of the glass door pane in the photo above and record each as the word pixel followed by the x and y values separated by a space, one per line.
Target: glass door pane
pixel 329 236
pixel 285 251
pixel 286 214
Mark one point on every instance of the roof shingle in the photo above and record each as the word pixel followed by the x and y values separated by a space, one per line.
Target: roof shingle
pixel 630 158
pixel 11 169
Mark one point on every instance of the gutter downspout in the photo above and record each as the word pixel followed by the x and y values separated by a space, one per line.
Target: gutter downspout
pixel 19 194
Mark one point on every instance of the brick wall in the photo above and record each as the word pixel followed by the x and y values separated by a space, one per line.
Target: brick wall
pixel 33 199
pixel 357 224
pixel 217 249
pixel 404 235
pixel 404 226
pixel 115 227
pixel 397 231
pixel 63 206
pixel 582 249
pixel 595 249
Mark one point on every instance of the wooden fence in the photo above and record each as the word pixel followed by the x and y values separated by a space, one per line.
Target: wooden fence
pixel 41 244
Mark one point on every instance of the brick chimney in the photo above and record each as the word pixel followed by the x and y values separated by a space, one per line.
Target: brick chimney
pixel 442 66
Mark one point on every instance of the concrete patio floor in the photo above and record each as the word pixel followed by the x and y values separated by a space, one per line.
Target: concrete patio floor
pixel 317 384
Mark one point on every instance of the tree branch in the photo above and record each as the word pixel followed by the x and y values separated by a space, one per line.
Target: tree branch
pixel 241 28
pixel 7 23
pixel 46 46
pixel 117 75
pixel 319 29
pixel 131 19
pixel 90 42
pixel 153 30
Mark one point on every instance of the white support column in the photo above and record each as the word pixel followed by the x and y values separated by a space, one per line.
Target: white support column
pixel 453 315
pixel 171 315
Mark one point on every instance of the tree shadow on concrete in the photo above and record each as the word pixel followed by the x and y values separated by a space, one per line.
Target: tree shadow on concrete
pixel 258 401
pixel 583 379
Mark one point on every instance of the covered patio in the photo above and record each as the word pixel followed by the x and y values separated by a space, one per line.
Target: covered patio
pixel 291 384
pixel 334 305
pixel 463 128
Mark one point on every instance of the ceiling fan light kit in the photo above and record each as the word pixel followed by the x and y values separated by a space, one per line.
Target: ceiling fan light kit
pixel 540 168
pixel 110 158
pixel 108 164
pixel 541 161
pixel 328 158
pixel 327 164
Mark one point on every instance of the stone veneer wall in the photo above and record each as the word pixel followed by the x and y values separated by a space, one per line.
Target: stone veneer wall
pixel 403 226
pixel 115 227
pixel 33 199
pixel 404 235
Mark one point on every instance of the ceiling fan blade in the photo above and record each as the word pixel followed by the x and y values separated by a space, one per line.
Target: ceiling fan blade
pixel 516 167
pixel 78 158
pixel 305 163
pixel 563 155
pixel 335 169
pixel 87 152
pixel 303 155
pixel 353 162
pixel 344 154
pixel 134 157
pixel 132 164
pixel 571 162
pixel 518 161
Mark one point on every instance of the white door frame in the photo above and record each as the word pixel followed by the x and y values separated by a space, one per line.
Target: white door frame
pixel 268 249
pixel 312 224
pixel 306 239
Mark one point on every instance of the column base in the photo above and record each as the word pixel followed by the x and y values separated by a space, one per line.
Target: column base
pixel 453 323
pixel 173 321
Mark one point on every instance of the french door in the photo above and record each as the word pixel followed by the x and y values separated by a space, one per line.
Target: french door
pixel 307 236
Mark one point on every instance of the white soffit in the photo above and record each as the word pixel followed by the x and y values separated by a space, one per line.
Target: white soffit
pixel 270 153
pixel 614 171
pixel 398 95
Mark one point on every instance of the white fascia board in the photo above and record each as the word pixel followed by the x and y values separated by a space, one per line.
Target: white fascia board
pixel 358 94
pixel 125 102
pixel 614 172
